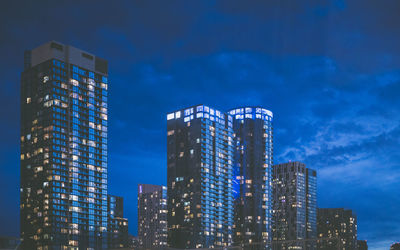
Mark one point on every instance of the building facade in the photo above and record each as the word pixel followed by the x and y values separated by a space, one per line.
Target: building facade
pixel 118 226
pixel 200 173
pixel 362 245
pixel 253 148
pixel 294 206
pixel 338 224
pixel 152 216
pixel 63 149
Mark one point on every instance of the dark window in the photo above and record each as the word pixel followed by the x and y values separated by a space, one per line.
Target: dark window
pixel 87 56
pixel 54 45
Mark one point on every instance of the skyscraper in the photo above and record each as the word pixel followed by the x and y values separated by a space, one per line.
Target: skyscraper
pixel 253 160
pixel 294 191
pixel 152 216
pixel 338 224
pixel 63 149
pixel 200 172
pixel 118 236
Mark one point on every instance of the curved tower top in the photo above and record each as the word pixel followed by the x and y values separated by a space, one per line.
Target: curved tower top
pixel 255 112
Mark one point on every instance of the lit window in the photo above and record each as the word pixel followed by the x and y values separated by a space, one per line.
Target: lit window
pixel 170 116
pixel 74 82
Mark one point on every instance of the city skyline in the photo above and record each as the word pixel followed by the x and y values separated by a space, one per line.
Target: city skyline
pixel 335 112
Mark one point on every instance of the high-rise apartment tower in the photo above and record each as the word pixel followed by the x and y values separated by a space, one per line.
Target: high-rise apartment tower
pixel 200 173
pixel 294 206
pixel 253 147
pixel 63 149
pixel 152 216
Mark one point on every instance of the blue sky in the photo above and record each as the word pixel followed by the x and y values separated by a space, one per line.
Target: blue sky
pixel 330 72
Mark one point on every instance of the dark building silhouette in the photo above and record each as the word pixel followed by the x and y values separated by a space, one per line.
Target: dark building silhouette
pixel 395 246
pixel 117 225
pixel 7 242
pixel 294 189
pixel 339 224
pixel 362 245
pixel 200 173
pixel 152 216
pixel 253 148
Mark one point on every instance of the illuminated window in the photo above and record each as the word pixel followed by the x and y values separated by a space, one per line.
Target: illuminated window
pixel 170 116
pixel 188 111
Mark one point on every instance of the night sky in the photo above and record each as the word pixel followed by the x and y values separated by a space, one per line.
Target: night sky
pixel 328 70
